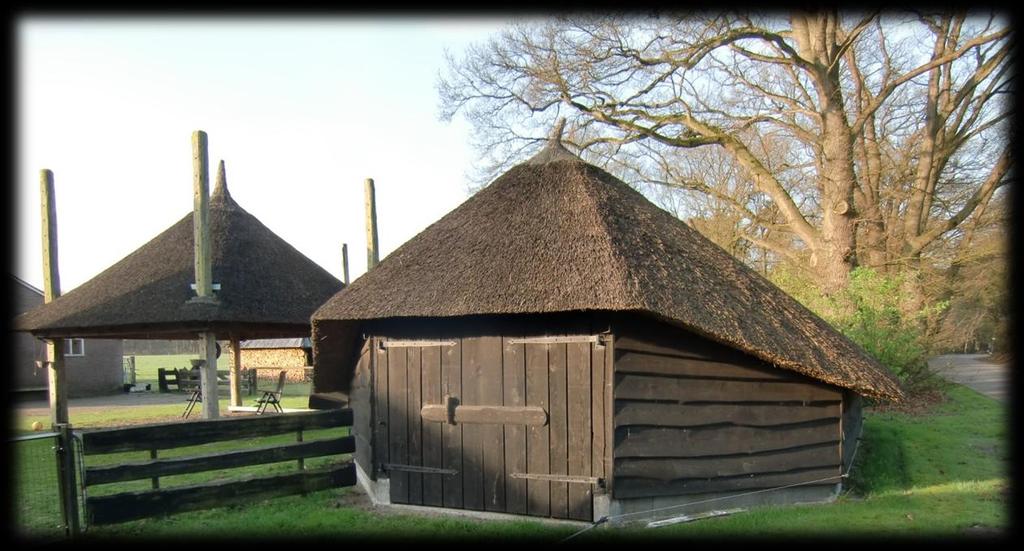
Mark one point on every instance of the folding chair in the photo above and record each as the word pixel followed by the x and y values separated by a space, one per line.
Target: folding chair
pixel 197 396
pixel 272 397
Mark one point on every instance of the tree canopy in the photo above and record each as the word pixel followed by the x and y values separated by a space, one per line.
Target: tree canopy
pixel 822 140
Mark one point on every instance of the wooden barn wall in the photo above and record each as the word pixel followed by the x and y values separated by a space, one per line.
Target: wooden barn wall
pixel 360 397
pixel 692 416
pixel 484 368
pixel 335 355
pixel 853 423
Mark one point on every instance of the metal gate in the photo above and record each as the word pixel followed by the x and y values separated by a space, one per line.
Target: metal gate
pixel 505 424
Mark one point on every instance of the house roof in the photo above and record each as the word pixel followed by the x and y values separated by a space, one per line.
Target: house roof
pixel 267 287
pixel 557 234
pixel 26 284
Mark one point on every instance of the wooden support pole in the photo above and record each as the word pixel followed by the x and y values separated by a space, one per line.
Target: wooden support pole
pixel 204 269
pixel 51 277
pixel 201 214
pixel 372 252
pixel 344 261
pixel 56 373
pixel 236 372
pixel 208 375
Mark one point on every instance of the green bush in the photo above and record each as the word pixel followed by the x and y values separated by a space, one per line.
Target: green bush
pixel 871 312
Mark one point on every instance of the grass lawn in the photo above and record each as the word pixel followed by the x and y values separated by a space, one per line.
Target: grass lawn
pixel 146 366
pixel 295 396
pixel 931 475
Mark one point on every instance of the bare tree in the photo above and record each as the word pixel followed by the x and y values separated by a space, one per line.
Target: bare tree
pixel 863 138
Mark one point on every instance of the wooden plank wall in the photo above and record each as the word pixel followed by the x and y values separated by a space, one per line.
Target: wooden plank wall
pixel 361 392
pixel 691 416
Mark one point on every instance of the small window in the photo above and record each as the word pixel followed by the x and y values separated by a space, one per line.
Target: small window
pixel 74 347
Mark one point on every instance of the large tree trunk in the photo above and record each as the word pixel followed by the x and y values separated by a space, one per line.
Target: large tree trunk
pixel 834 256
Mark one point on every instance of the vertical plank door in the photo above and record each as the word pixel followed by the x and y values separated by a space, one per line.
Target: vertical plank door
pixel 541 470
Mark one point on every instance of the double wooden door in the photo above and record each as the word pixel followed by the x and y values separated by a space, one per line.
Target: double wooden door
pixel 492 423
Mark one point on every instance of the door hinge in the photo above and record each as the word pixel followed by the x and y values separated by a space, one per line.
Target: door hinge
pixel 417 469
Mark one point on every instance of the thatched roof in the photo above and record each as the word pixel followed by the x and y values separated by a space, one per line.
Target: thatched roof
pixel 557 234
pixel 267 287
pixel 298 342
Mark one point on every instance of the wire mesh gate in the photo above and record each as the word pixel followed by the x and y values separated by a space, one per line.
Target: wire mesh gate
pixel 45 500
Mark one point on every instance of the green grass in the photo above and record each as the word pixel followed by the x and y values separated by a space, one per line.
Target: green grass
pixel 146 366
pixel 295 396
pixel 929 475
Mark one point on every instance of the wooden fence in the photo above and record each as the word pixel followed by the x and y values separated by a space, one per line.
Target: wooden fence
pixel 183 380
pixel 125 506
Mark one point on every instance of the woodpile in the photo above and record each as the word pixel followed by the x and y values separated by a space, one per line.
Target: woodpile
pixel 268 362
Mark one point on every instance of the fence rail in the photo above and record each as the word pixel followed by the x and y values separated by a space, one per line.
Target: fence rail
pixel 127 506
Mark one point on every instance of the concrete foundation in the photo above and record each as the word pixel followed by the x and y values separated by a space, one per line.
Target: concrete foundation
pixel 621 511
pixel 660 508
pixel 379 490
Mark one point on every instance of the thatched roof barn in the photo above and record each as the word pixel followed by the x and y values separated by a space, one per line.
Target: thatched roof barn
pixel 560 346
pixel 267 287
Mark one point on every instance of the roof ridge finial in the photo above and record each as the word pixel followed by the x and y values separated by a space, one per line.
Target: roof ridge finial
pixel 220 187
pixel 556 132
pixel 554 150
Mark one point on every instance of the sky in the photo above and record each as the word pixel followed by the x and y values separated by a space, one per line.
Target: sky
pixel 302 111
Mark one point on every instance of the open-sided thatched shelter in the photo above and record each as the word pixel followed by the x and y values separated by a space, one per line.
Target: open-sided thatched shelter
pixel 264 287
pixel 267 287
pixel 559 346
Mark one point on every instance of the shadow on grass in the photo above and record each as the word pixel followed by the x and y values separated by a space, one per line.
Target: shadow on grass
pixel 880 466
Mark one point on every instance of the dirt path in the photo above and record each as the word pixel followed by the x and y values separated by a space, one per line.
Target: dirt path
pixel 975 371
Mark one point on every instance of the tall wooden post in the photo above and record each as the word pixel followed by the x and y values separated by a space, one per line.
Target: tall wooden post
pixel 236 372
pixel 372 255
pixel 344 261
pixel 204 269
pixel 208 375
pixel 201 214
pixel 56 373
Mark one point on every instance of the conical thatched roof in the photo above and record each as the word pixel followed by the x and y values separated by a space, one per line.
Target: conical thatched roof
pixel 267 287
pixel 557 234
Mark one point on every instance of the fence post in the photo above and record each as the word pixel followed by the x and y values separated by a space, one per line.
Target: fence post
pixel 155 482
pixel 66 478
pixel 128 365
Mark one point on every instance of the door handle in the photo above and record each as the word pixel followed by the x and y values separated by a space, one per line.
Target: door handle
pixel 451 402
